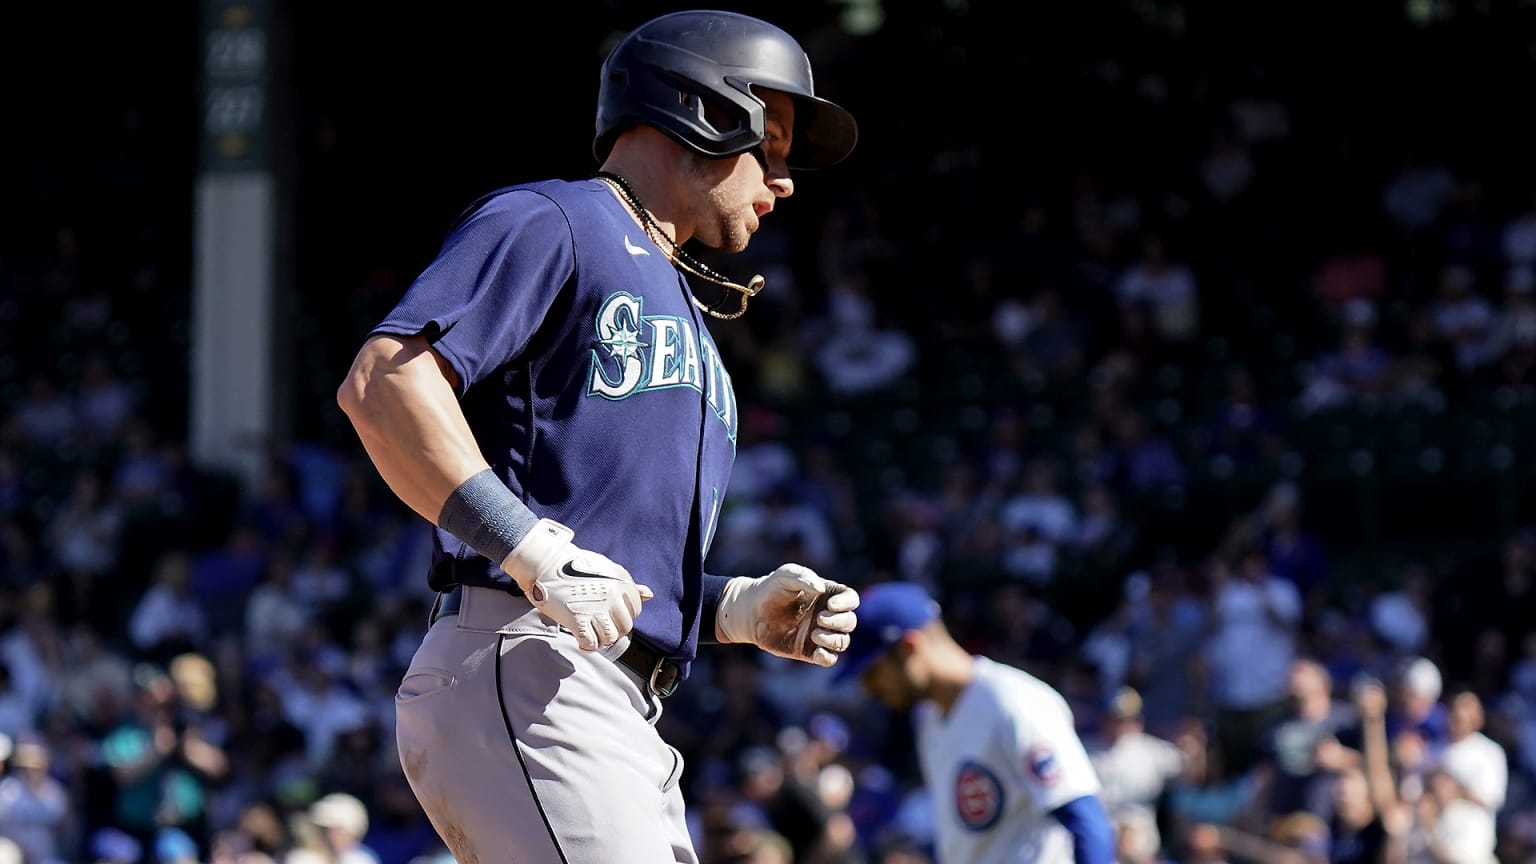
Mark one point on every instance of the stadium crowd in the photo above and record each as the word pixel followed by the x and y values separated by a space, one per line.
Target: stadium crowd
pixel 1077 411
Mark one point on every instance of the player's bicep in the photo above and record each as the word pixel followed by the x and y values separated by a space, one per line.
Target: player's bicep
pixel 402 404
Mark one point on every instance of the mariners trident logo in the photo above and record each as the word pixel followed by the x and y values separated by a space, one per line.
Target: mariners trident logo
pixel 640 353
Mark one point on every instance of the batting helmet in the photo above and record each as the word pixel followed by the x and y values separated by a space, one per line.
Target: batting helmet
pixel 690 74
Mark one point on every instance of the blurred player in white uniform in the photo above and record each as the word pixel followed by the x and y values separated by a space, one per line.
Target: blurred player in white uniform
pixel 1003 764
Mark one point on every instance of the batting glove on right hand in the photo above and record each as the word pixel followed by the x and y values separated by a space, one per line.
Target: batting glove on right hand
pixel 791 612
pixel 582 591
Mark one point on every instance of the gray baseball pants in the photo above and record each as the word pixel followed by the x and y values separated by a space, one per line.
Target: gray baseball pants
pixel 524 749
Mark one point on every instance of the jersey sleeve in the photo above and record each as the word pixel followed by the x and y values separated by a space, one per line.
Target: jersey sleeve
pixel 484 296
pixel 1048 754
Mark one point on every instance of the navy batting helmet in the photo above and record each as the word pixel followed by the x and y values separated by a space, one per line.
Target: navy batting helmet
pixel 691 74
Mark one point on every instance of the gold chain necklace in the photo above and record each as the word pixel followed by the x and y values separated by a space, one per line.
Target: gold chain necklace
pixel 680 258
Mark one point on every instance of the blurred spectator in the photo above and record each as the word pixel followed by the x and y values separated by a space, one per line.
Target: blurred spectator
pixel 1292 548
pixel 84 537
pixel 31 649
pixel 1166 288
pixel 1491 592
pixel 160 775
pixel 1303 750
pixel 1416 705
pixel 104 402
pixel 144 471
pixel 34 805
pixel 1206 794
pixel 1227 169
pixel 1452 828
pixel 1249 652
pixel 1357 832
pixel 919 541
pixel 1042 340
pixel 1356 368
pixel 343 822
pixel 317 701
pixel 1401 617
pixel 1513 342
pixel 1416 195
pixel 862 351
pixel 1469 231
pixel 45 418
pixel 168 619
pixel 398 832
pixel 320 582
pixel 1462 319
pixel 1522 677
pixel 1517 237
pixel 1137 838
pixel 1133 766
pixel 1040 503
pixel 1165 639
pixel 97 680
pixel 276 614
pixel 1472 759
pixel 1140 460
pixel 1348 276
pixel 114 846
pixel 16 713
pixel 174 846
pixel 275 510
pixel 223 576
pixel 1242 432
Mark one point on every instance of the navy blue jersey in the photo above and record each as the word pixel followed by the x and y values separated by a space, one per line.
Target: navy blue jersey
pixel 591 383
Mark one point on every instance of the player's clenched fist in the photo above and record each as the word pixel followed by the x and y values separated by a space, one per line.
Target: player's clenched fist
pixel 791 613
pixel 582 591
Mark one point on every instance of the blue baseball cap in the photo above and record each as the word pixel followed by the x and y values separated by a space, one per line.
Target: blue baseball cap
pixel 886 613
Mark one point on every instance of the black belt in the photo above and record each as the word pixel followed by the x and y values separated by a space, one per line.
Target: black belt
pixel 654 667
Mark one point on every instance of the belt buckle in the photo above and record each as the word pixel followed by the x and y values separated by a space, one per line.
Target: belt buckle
pixel 675 681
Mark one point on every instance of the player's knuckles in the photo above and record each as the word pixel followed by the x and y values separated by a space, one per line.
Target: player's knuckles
pixel 837 642
pixel 843 600
pixel 843 622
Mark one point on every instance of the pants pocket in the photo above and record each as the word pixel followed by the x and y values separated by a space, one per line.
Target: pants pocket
pixel 419 684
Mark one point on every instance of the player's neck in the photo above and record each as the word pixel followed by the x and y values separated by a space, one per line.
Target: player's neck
pixel 953 672
pixel 652 195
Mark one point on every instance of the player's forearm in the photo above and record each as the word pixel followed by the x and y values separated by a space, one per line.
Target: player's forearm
pixel 1093 834
pixel 408 419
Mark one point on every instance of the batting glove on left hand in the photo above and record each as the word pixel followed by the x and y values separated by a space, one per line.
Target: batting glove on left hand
pixel 790 613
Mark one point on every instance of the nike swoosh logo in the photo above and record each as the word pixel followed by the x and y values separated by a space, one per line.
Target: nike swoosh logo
pixel 632 248
pixel 567 570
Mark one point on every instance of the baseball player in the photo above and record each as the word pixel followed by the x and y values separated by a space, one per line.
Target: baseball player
pixel 1009 778
pixel 548 395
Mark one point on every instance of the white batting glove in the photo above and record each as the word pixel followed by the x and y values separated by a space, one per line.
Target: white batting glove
pixel 584 592
pixel 791 613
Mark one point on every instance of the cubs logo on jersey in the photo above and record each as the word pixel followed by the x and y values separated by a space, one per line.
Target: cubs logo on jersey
pixel 978 796
pixel 1043 765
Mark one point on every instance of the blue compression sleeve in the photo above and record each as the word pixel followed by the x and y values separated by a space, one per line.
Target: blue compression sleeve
pixel 714 586
pixel 484 513
pixel 1093 835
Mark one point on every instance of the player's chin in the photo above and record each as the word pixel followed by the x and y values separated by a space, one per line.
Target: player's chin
pixel 737 239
